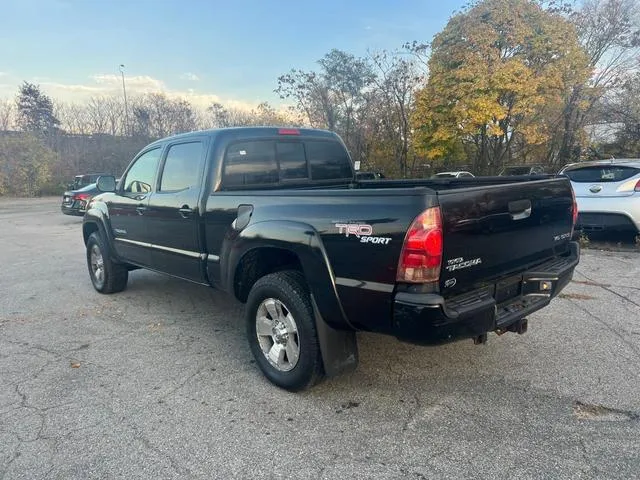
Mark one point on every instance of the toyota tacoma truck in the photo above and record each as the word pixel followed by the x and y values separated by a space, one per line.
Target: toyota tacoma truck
pixel 277 218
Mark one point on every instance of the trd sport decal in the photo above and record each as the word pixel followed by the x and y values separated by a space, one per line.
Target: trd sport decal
pixel 362 231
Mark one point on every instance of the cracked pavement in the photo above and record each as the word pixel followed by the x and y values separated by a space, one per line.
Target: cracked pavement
pixel 158 382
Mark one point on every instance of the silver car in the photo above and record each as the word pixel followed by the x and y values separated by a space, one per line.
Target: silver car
pixel 608 194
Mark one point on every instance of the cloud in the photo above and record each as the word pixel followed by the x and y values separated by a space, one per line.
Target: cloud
pixel 107 85
pixel 190 76
pixel 101 84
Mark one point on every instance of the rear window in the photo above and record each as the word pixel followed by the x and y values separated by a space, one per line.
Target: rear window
pixel 601 173
pixel 328 160
pixel 293 164
pixel 250 163
pixel 269 162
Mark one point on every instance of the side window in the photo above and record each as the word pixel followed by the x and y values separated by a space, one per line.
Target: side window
pixel 182 166
pixel 293 164
pixel 250 163
pixel 139 178
pixel 329 160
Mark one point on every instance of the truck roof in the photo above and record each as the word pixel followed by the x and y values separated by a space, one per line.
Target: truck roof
pixel 253 132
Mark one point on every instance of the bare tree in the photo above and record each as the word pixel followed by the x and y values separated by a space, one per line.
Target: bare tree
pixel 610 33
pixel 7 115
pixel 397 79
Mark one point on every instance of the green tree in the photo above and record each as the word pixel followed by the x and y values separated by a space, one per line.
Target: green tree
pixel 497 73
pixel 35 110
pixel 25 165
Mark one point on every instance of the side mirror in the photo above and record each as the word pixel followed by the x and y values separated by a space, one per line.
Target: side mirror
pixel 106 183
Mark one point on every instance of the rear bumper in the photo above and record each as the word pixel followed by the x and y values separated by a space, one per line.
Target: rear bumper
pixel 429 319
pixel 73 209
pixel 609 213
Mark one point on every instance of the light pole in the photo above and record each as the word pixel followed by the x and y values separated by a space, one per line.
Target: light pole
pixel 126 110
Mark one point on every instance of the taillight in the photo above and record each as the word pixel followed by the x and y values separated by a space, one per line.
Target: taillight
pixel 637 187
pixel 82 196
pixel 574 211
pixel 421 255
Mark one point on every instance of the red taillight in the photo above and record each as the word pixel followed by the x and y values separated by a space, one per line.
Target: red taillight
pixel 82 196
pixel 288 131
pixel 637 187
pixel 421 255
pixel 574 211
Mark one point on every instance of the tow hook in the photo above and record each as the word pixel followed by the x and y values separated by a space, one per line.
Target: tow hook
pixel 519 327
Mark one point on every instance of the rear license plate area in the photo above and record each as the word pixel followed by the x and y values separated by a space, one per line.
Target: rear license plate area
pixel 508 288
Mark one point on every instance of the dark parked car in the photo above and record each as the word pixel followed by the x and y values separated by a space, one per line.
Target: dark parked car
pixel 514 170
pixel 74 202
pixel 276 218
pixel 80 181
pixel 369 176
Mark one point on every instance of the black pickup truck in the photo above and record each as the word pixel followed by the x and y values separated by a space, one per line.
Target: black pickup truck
pixel 277 218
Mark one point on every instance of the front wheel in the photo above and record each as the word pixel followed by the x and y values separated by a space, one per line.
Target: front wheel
pixel 106 276
pixel 282 332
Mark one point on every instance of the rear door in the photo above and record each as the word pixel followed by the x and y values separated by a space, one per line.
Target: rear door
pixel 172 212
pixel 493 231
pixel 128 208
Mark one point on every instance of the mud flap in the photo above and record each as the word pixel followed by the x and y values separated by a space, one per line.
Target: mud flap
pixel 339 348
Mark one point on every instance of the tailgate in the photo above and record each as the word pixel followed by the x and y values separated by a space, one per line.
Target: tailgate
pixel 491 232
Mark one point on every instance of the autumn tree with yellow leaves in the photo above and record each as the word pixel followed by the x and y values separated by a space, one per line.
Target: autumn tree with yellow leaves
pixel 499 74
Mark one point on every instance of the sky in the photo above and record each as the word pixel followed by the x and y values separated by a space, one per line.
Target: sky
pixel 231 51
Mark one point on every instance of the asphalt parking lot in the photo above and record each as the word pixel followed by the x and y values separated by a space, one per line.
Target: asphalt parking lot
pixel 158 382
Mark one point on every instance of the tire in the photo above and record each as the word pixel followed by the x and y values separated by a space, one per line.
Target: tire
pixel 106 275
pixel 280 323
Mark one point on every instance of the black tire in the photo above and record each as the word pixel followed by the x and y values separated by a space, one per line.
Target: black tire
pixel 290 289
pixel 110 277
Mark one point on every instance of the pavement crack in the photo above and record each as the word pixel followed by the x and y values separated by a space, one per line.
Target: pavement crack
pixel 631 346
pixel 608 289
pixel 413 413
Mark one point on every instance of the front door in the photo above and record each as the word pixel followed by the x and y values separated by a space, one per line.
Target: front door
pixel 128 209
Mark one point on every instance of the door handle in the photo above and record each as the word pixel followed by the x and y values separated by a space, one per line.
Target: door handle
pixel 185 211
pixel 520 209
pixel 141 209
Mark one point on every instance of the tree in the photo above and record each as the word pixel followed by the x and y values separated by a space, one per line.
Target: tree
pixel 335 98
pixel 609 30
pixel 156 116
pixel 396 80
pixel 497 72
pixel 7 111
pixel 264 114
pixel 35 110
pixel 622 109
pixel 25 165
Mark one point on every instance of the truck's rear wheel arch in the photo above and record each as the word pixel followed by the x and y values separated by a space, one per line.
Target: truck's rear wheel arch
pixel 257 263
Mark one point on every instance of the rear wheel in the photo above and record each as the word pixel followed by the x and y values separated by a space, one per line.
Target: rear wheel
pixel 282 332
pixel 106 276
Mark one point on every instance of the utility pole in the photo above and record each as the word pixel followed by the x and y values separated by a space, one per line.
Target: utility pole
pixel 126 109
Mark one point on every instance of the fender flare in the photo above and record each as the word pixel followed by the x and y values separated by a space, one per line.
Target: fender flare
pixel 98 215
pixel 336 336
